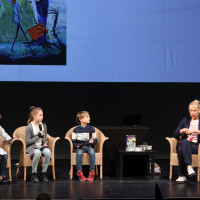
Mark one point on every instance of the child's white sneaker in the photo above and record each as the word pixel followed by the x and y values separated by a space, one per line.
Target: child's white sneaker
pixel 191 172
pixel 181 179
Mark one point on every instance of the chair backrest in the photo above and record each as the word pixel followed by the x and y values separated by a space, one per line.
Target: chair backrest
pixel 20 133
pixel 99 135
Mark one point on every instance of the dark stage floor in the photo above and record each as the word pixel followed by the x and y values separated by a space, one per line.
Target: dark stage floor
pixel 110 188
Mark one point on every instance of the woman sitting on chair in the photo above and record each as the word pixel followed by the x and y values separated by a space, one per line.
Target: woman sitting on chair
pixel 188 134
pixel 37 144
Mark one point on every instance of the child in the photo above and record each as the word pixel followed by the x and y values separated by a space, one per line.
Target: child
pixel 3 157
pixel 84 138
pixel 37 144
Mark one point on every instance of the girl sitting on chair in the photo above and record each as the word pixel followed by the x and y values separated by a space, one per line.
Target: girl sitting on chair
pixel 37 144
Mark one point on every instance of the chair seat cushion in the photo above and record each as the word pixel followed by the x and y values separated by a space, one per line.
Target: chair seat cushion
pixel 174 160
pixel 86 159
pixel 29 161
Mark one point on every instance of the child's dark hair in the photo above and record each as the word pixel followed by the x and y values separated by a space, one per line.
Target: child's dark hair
pixel 80 115
pixel 34 110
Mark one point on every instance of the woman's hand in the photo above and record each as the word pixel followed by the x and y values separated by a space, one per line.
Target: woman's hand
pixel 197 132
pixel 192 131
pixel 183 130
pixel 189 131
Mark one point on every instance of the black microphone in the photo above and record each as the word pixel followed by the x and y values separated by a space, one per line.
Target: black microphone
pixel 40 127
pixel 40 135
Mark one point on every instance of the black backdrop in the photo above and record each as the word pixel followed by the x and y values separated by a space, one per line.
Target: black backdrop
pixel 162 106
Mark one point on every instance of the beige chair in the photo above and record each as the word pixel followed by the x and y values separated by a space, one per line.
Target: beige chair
pixel 174 157
pixel 98 152
pixel 7 149
pixel 24 159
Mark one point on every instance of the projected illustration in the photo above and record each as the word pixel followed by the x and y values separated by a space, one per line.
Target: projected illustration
pixel 33 32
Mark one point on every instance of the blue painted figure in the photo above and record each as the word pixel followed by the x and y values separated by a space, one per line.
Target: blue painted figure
pixel 17 19
pixel 42 10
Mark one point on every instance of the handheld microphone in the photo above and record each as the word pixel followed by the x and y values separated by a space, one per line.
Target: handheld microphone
pixel 40 128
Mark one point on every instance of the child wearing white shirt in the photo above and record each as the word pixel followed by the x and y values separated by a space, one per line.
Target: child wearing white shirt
pixel 3 157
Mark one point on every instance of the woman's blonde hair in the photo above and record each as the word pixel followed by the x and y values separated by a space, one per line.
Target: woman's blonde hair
pixel 195 103
pixel 80 115
pixel 34 111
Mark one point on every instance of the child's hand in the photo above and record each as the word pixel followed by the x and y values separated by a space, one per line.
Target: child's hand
pixel 45 145
pixel 80 146
pixel 91 141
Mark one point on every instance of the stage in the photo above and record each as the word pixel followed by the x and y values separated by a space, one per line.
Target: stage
pixel 110 188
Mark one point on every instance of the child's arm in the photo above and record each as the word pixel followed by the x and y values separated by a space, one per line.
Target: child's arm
pixel 28 139
pixel 74 140
pixel 45 140
pixel 3 134
pixel 93 140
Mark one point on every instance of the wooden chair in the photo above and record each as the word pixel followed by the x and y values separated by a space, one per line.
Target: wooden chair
pixel 174 157
pixel 98 152
pixel 24 158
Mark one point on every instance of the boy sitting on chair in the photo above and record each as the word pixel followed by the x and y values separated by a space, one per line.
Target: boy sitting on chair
pixel 84 138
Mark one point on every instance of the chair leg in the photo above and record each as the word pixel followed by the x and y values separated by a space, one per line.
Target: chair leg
pixel 53 171
pixel 24 173
pixel 198 170
pixel 170 172
pixel 101 172
pixel 71 172
pixel 97 173
pixel 10 175
pixel 17 172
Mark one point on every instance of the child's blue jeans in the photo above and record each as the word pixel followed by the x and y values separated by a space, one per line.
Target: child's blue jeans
pixel 3 163
pixel 79 155
pixel 37 154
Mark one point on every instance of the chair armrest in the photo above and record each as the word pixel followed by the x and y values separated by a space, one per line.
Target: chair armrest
pixel 7 147
pixel 52 142
pixel 22 145
pixel 199 150
pixel 70 141
pixel 103 139
pixel 173 143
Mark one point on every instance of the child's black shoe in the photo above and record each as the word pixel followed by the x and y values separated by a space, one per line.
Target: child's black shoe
pixel 34 178
pixel 43 177
pixel 6 179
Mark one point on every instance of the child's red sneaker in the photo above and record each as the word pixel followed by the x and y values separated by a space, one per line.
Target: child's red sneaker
pixel 91 176
pixel 81 176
